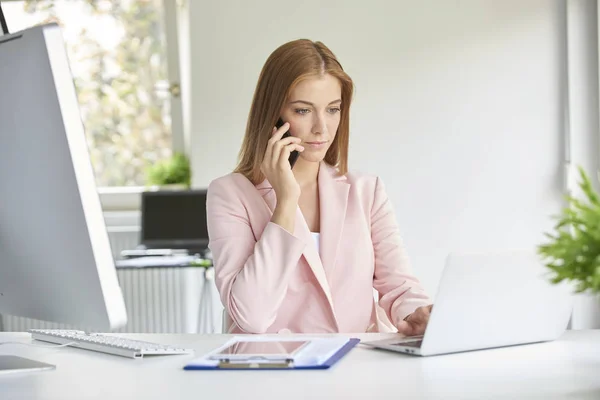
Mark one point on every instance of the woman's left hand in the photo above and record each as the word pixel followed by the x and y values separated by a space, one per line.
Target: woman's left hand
pixel 415 323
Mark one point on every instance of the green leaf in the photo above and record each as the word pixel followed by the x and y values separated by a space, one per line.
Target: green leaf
pixel 572 250
pixel 176 170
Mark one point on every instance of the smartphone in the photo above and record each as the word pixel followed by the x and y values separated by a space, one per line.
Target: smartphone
pixel 294 154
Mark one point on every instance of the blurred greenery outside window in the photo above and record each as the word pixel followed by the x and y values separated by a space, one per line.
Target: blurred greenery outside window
pixel 117 52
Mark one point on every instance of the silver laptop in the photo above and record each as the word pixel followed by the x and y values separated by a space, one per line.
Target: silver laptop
pixel 490 300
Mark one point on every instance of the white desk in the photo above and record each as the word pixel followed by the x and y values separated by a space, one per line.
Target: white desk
pixel 567 368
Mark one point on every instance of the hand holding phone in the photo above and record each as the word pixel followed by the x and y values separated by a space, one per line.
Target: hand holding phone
pixel 276 166
pixel 294 154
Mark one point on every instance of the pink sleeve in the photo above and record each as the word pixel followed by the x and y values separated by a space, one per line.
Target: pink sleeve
pixel 251 276
pixel 400 292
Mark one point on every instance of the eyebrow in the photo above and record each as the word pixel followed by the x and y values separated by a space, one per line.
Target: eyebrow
pixel 311 104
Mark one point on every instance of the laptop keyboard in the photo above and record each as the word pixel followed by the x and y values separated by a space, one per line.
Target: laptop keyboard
pixel 414 343
pixel 410 341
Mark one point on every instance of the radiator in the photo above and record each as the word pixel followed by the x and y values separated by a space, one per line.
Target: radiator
pixel 158 300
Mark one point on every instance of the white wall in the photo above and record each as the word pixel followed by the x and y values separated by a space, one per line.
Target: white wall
pixel 457 106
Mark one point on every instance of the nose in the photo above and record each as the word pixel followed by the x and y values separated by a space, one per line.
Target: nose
pixel 319 124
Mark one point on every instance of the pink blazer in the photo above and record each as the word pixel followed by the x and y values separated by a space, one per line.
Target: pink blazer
pixel 273 281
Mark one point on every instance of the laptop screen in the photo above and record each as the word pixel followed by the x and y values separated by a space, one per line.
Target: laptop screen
pixel 174 219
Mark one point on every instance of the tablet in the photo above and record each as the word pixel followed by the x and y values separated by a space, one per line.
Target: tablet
pixel 275 350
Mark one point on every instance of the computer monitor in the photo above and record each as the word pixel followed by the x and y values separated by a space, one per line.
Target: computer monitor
pixel 174 220
pixel 55 258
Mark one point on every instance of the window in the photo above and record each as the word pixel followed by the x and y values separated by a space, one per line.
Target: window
pixel 118 57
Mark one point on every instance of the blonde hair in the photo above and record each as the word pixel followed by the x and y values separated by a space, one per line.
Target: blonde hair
pixel 288 65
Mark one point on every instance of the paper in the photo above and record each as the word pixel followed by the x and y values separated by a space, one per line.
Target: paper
pixel 317 352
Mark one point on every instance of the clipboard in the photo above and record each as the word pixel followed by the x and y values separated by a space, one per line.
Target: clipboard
pixel 204 363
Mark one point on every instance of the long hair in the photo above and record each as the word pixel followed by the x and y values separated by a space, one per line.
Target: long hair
pixel 288 65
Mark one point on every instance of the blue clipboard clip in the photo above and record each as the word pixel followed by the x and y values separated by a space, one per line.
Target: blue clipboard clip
pixel 227 364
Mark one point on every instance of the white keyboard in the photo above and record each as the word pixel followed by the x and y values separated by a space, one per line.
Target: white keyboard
pixel 106 344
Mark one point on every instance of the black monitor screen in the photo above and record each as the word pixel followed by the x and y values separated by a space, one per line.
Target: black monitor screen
pixel 174 217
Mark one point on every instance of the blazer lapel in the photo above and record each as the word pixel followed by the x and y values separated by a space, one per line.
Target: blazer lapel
pixel 311 255
pixel 333 196
pixel 333 199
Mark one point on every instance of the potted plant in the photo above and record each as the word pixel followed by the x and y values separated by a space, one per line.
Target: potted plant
pixel 573 250
pixel 174 173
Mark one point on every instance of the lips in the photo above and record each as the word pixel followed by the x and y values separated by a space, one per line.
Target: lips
pixel 315 145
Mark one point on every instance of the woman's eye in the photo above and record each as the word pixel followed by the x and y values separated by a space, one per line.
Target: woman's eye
pixel 334 110
pixel 302 110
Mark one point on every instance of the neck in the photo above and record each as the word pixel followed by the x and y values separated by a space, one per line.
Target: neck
pixel 306 172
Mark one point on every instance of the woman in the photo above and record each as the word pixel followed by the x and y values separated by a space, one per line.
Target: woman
pixel 301 249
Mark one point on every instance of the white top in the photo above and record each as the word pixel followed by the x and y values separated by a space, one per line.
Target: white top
pixel 566 368
pixel 316 236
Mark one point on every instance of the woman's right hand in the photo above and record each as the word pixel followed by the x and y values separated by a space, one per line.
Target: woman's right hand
pixel 276 166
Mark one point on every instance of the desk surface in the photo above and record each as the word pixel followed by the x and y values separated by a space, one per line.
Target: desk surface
pixel 566 368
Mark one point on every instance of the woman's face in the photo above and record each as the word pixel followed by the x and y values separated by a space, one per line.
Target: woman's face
pixel 313 111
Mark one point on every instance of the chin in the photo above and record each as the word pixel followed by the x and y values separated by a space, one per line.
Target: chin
pixel 313 158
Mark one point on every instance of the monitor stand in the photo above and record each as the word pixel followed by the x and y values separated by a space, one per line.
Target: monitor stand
pixel 14 364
